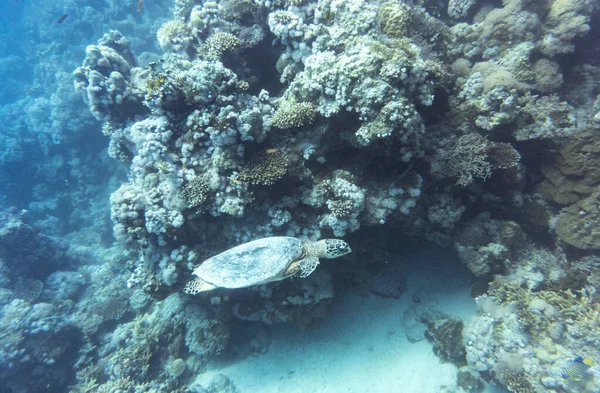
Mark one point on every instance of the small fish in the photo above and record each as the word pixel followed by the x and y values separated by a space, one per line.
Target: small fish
pixel 139 5
pixel 62 18
pixel 576 369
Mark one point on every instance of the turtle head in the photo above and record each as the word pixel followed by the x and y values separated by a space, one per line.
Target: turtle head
pixel 335 248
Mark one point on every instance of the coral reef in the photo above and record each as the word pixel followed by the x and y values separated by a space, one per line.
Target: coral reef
pixel 104 78
pixel 460 8
pixel 487 246
pixel 296 114
pixel 526 338
pixel 350 133
pixel 394 18
pixel 465 123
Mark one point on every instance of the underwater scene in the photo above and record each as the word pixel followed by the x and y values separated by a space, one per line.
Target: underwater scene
pixel 300 196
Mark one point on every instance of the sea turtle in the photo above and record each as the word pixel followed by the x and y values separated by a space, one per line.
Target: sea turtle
pixel 263 260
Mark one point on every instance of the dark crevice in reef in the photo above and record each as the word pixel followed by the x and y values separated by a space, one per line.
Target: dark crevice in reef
pixel 587 47
pixel 435 112
pixel 260 61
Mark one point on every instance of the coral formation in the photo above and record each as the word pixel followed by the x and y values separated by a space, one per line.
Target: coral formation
pixel 348 139
pixel 104 78
pixel 394 18
pixel 473 157
pixel 196 191
pixel 487 246
pixel 296 114
pixel 576 224
pixel 572 175
pixel 526 337
pixel 217 44
pixel 446 335
pixel 460 8
pixel 265 168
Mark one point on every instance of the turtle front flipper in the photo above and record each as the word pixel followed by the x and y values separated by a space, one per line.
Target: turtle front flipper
pixel 197 285
pixel 302 267
pixel 307 265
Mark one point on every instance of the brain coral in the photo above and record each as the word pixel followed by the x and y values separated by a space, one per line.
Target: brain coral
pixel 394 18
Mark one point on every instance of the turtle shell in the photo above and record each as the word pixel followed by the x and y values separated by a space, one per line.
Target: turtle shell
pixel 251 263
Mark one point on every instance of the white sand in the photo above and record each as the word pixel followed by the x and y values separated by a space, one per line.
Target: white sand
pixel 362 346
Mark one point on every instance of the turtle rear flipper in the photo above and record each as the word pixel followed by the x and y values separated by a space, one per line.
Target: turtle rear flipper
pixel 197 285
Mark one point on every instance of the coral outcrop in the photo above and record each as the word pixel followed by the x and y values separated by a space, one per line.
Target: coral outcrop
pixel 463 125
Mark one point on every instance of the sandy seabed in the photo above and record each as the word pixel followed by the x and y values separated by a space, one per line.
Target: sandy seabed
pixel 362 347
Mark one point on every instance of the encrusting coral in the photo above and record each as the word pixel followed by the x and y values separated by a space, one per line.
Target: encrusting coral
pixel 573 174
pixel 577 224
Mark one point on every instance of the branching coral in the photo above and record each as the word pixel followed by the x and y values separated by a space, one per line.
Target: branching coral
pixel 503 155
pixel 175 36
pixel 544 310
pixel 265 168
pixel 217 44
pixel 518 382
pixel 526 338
pixel 293 114
pixel 341 208
pixel 472 156
pixel 196 191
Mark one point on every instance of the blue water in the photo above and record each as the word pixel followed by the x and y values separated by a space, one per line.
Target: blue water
pixel 451 143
